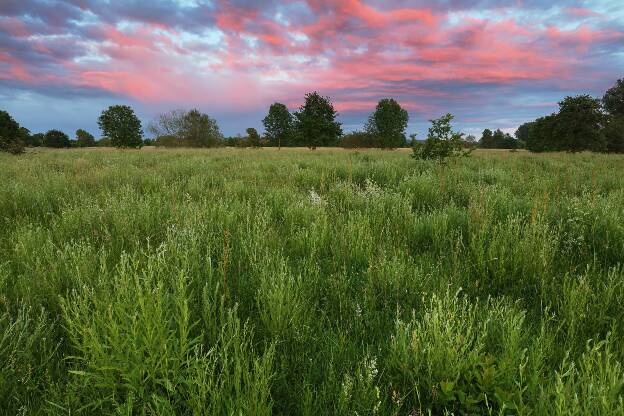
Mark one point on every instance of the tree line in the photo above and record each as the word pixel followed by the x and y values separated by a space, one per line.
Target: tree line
pixel 582 123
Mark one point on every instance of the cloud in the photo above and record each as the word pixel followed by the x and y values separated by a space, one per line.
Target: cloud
pixel 236 57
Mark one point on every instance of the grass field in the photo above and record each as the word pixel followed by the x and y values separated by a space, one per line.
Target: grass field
pixel 292 282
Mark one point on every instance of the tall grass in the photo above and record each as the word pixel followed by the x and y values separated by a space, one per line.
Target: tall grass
pixel 234 281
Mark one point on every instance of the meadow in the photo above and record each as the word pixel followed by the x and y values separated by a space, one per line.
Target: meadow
pixel 296 282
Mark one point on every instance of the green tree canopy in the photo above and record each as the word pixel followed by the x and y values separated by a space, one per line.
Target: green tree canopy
pixel 579 124
pixel 253 137
pixel 487 139
pixel 442 142
pixel 9 128
pixel 316 123
pixel 389 122
pixel 186 128
pixel 84 138
pixel 613 99
pixel 56 138
pixel 278 125
pixel 122 126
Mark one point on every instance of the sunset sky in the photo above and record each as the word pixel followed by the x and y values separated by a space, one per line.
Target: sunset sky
pixel 492 64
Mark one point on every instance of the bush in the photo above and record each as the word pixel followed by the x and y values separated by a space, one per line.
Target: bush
pixel 56 139
pixel 360 139
pixel 441 143
pixel 14 147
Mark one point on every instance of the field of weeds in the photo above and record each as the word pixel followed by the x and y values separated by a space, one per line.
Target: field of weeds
pixel 295 282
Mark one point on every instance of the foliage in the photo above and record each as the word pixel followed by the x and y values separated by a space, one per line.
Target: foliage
pixel 121 126
pixel 441 143
pixel 360 139
pixel 614 134
pixel 315 122
pixel 9 128
pixel 253 138
pixel 278 125
pixel 579 124
pixel 36 140
pixel 84 138
pixel 223 281
pixel 180 128
pixel 497 140
pixel 543 135
pixel 388 122
pixel 14 147
pixel 613 99
pixel 11 135
pixel 522 133
pixel 56 139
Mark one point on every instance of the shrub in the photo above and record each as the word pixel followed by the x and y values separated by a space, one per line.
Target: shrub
pixel 441 143
pixel 360 139
pixel 14 147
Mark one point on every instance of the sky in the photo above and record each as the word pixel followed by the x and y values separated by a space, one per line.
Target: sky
pixel 491 63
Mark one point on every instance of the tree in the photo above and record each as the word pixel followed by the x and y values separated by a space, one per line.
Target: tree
pixel 542 135
pixel 121 125
pixel 389 122
pixel 9 128
pixel 613 99
pixel 442 142
pixel 315 122
pixel 36 140
pixel 56 138
pixel 84 138
pixel 278 125
pixel 579 124
pixel 487 139
pixel 186 128
pixel 522 133
pixel 614 134
pixel 253 137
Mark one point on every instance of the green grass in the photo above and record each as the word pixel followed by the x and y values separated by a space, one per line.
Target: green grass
pixel 265 282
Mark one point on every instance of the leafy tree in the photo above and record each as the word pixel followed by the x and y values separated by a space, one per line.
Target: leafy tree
pixel 442 142
pixel 84 138
pixel 278 125
pixel 613 99
pixel 121 125
pixel 9 128
pixel 200 129
pixel 36 140
pixel 542 135
pixel 388 122
pixel 253 137
pixel 315 122
pixel 487 139
pixel 614 134
pixel 186 128
pixel 56 138
pixel 522 133
pixel 579 124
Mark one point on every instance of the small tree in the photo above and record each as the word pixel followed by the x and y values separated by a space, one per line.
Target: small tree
pixel 613 99
pixel 442 142
pixel 388 122
pixel 186 128
pixel 84 138
pixel 56 139
pixel 316 123
pixel 121 125
pixel 253 137
pixel 278 125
